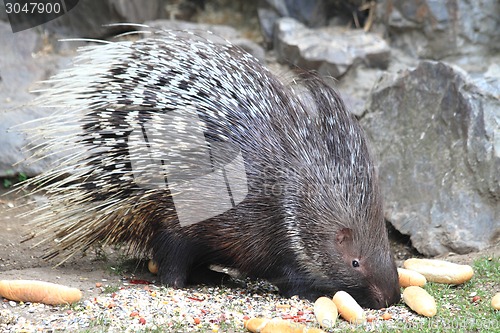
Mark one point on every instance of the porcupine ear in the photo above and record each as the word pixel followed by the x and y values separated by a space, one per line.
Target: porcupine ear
pixel 344 237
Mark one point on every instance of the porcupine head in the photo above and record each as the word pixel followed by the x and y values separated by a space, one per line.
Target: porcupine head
pixel 337 206
pixel 322 231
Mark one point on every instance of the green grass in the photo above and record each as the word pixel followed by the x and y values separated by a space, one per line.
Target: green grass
pixel 109 289
pixel 13 178
pixel 456 310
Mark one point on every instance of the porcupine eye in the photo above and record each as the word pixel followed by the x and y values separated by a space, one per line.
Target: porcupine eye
pixel 355 263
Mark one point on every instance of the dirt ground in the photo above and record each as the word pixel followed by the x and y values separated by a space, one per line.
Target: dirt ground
pixel 20 260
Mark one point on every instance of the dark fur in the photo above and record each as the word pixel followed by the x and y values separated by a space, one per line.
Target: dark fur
pixel 313 206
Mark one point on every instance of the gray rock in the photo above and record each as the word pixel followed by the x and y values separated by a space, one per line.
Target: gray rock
pixel 438 29
pixel 138 10
pixel 20 70
pixel 310 12
pixel 436 132
pixel 90 18
pixel 3 12
pixel 356 85
pixel 330 50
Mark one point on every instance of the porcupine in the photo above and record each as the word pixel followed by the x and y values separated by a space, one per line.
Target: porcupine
pixel 188 149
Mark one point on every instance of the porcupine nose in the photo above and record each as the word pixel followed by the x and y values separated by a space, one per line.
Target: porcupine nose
pixel 381 299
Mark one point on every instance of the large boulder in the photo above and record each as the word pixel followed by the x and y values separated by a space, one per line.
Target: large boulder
pixel 436 133
pixel 22 64
pixel 310 12
pixel 438 29
pixel 332 51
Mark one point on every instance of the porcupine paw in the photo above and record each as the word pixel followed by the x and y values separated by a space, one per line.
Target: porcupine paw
pixel 173 255
pixel 304 293
pixel 207 276
pixel 172 276
pixel 294 283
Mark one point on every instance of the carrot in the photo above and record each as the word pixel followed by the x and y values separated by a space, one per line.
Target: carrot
pixel 255 325
pixel 410 278
pixel 153 266
pixel 495 301
pixel 440 271
pixel 420 301
pixel 38 292
pixel 277 325
pixel 348 308
pixel 325 311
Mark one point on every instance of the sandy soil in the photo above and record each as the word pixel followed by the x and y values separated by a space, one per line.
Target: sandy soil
pixel 21 260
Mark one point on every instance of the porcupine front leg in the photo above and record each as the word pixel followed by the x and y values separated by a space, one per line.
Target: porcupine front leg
pixel 303 291
pixel 172 253
pixel 177 260
pixel 292 281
